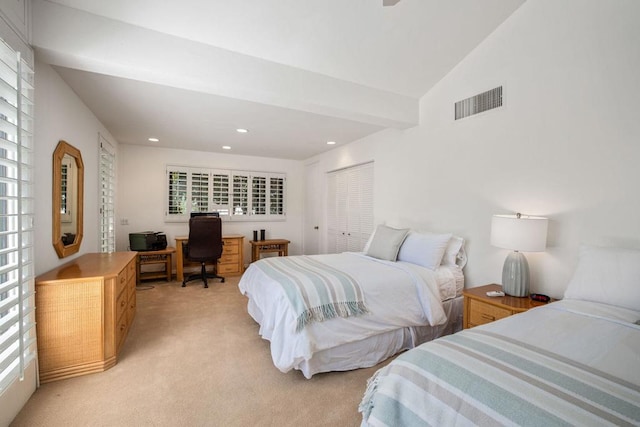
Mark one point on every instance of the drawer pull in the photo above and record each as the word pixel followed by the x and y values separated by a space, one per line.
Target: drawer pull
pixel 123 303
pixel 488 317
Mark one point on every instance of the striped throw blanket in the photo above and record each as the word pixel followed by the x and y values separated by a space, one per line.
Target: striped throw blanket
pixel 315 290
pixel 478 377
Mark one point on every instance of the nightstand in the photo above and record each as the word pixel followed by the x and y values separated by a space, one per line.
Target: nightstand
pixel 480 308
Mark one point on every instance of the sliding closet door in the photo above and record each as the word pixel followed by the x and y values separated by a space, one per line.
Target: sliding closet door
pixel 350 208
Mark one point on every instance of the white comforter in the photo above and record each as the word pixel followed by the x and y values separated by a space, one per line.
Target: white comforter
pixel 396 294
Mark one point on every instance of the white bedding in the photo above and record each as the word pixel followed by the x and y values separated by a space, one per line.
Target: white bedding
pixel 397 294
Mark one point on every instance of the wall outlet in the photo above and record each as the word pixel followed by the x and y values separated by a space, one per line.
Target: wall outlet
pixel 124 221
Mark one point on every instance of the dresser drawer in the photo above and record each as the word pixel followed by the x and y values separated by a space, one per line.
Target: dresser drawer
pixel 131 270
pixel 227 268
pixel 122 281
pixel 228 259
pixel 481 313
pixel 122 305
pixel 131 312
pixel 121 330
pixel 230 248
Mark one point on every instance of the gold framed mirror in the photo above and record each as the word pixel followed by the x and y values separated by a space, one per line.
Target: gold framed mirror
pixel 68 199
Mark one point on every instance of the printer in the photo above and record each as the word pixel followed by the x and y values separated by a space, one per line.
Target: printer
pixel 147 241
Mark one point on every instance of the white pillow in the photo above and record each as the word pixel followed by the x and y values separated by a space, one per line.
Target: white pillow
pixel 425 249
pixel 607 275
pixel 451 252
pixel 368 244
pixel 386 242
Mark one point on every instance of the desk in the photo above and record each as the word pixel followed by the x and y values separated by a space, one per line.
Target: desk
pixel 163 256
pixel 230 263
pixel 258 247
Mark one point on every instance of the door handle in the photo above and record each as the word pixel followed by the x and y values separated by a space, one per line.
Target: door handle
pixel 316 227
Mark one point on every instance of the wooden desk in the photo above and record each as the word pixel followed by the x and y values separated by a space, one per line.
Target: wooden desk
pixel 163 256
pixel 258 247
pixel 231 262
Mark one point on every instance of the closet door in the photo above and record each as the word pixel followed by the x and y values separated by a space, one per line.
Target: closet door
pixel 350 208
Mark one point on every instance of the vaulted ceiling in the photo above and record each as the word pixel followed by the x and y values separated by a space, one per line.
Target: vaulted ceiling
pixel 295 73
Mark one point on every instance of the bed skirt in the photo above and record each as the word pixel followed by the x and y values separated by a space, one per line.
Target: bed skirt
pixel 375 349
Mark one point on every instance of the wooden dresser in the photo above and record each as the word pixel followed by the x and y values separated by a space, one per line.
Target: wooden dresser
pixel 84 309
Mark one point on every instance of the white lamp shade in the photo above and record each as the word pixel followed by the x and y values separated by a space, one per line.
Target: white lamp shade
pixel 524 233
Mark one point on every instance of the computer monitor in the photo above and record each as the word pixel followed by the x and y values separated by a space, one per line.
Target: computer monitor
pixel 194 214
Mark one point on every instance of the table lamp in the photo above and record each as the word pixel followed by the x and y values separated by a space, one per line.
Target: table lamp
pixel 520 233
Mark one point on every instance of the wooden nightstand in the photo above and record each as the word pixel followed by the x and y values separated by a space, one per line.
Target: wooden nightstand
pixel 480 309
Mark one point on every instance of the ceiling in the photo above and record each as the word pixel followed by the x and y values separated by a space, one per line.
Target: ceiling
pixel 295 73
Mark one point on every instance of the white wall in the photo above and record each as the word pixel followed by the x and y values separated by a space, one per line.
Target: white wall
pixel 142 194
pixel 60 115
pixel 565 145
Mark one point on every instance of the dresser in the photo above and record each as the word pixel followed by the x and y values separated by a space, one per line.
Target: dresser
pixel 230 263
pixel 84 310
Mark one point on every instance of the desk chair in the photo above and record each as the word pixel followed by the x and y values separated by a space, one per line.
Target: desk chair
pixel 204 245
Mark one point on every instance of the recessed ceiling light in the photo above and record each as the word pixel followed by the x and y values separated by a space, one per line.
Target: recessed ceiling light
pixel 226 147
pixel 240 130
pixel 331 143
pixel 154 139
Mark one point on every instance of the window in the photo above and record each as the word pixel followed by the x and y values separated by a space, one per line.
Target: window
pixel 235 195
pixel 107 196
pixel 17 333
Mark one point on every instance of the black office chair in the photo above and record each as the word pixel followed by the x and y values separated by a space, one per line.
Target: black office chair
pixel 204 245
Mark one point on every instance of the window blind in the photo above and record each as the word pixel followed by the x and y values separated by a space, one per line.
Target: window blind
pixel 235 195
pixel 17 332
pixel 107 196
pixel 199 191
pixel 240 194
pixel 177 192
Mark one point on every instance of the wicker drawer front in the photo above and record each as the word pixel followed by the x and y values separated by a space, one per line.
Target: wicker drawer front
pixel 480 313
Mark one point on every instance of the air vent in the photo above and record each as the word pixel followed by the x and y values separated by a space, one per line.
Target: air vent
pixel 477 104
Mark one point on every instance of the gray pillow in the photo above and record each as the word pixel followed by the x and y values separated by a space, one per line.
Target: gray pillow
pixel 386 242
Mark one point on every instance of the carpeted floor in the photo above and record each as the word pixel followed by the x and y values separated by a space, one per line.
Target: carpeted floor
pixel 193 357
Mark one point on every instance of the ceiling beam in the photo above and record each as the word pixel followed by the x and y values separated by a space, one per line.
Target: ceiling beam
pixel 76 39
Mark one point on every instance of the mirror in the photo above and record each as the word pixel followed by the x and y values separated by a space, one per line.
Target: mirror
pixel 68 199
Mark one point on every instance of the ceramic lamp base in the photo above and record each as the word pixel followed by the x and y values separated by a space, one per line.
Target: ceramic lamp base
pixel 515 275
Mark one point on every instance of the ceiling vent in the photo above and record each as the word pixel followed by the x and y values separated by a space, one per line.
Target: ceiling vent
pixel 477 104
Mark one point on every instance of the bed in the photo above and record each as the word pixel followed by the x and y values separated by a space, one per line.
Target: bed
pixel 395 301
pixel 570 362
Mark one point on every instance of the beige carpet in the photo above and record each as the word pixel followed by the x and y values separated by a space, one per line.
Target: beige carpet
pixel 193 357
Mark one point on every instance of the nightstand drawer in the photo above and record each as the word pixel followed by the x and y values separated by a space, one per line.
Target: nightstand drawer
pixel 481 313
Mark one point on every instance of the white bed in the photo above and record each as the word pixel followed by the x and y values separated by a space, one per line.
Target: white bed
pixel 407 304
pixel 571 362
